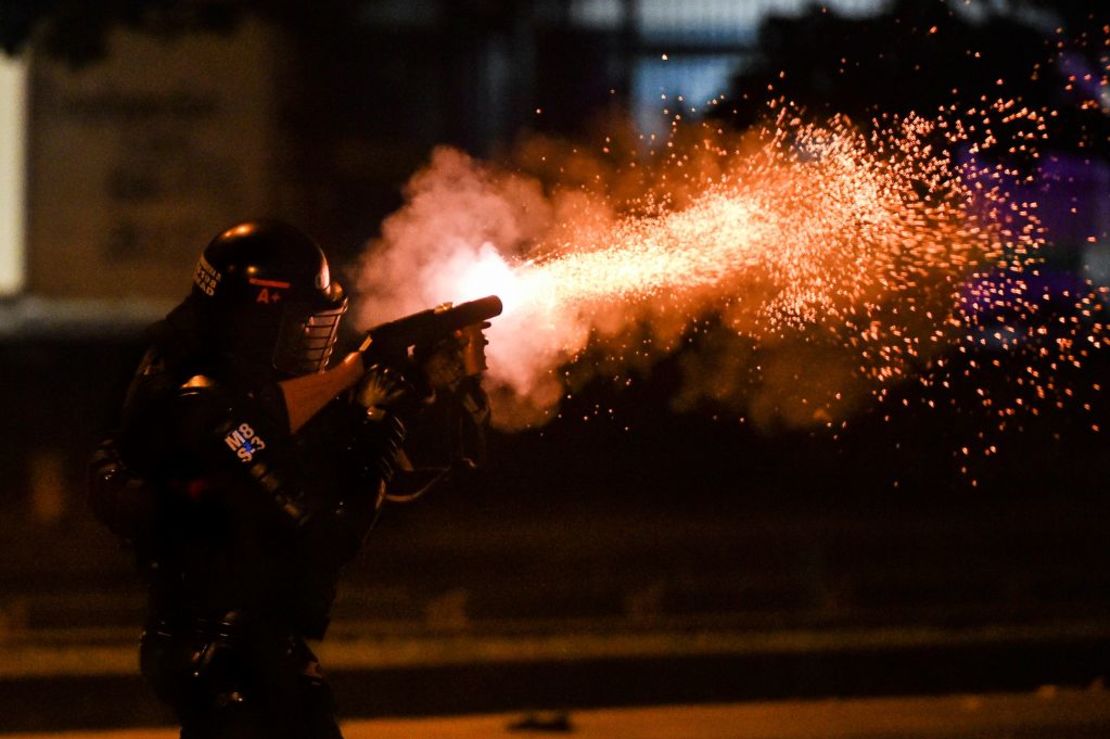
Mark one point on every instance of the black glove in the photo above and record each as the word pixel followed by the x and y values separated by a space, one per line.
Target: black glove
pixel 384 394
pixel 383 390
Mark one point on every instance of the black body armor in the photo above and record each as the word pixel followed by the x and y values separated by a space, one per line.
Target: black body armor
pixel 239 525
pixel 241 529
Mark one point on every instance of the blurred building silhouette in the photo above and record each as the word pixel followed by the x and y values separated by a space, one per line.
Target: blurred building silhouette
pixel 136 160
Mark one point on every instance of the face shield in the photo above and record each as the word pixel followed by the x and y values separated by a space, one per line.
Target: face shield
pixel 307 334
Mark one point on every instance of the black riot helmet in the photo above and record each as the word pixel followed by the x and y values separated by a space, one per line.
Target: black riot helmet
pixel 266 299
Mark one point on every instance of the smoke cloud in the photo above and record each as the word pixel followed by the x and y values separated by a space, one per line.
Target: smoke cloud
pixel 799 270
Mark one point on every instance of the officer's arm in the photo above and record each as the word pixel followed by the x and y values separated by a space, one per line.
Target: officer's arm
pixel 245 437
pixel 119 498
pixel 362 451
pixel 240 436
pixel 119 492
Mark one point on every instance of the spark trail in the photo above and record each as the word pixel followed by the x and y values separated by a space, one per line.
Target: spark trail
pixel 805 267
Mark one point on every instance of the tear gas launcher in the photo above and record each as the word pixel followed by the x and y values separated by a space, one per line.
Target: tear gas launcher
pixel 390 344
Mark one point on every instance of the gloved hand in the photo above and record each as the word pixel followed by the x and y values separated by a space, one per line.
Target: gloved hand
pixel 443 365
pixel 381 390
pixel 460 355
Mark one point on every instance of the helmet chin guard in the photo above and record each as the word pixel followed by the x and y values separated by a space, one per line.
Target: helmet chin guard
pixel 269 302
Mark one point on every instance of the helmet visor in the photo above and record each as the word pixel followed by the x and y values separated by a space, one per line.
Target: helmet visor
pixel 306 339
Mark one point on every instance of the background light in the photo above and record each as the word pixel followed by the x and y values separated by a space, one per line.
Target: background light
pixel 13 176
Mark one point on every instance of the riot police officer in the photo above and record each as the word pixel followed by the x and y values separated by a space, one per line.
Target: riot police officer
pixel 241 502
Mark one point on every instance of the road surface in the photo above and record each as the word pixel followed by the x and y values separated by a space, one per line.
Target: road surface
pixel 1047 712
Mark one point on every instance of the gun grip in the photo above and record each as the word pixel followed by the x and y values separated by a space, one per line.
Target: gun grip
pixel 474 349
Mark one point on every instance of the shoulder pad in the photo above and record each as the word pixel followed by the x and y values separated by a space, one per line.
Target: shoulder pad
pixel 201 391
pixel 198 381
